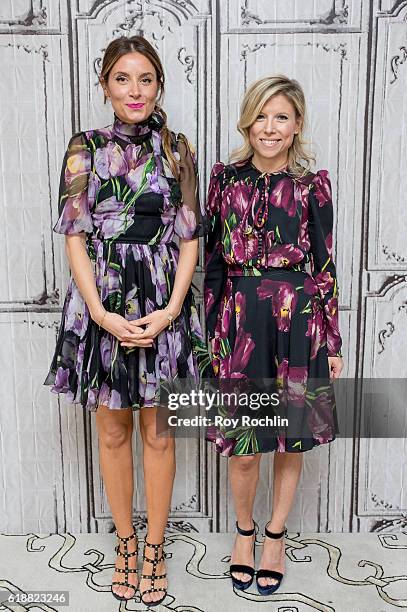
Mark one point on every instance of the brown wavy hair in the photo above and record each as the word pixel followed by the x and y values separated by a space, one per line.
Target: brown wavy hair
pixel 114 51
pixel 300 159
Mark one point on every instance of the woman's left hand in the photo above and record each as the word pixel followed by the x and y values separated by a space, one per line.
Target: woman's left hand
pixel 335 366
pixel 154 324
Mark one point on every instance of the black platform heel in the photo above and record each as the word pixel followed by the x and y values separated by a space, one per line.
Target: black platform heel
pixel 265 573
pixel 153 576
pixel 242 585
pixel 126 571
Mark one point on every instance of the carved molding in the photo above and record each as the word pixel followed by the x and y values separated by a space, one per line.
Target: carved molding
pixel 396 62
pixel 181 10
pixel 337 14
pixel 392 255
pixel 189 62
pixel 36 15
pixel 383 334
pixel 395 9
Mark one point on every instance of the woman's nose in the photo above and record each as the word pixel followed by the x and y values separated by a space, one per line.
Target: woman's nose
pixel 135 89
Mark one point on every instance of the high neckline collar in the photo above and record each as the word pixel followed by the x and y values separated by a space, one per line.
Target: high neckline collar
pixel 153 123
pixel 283 170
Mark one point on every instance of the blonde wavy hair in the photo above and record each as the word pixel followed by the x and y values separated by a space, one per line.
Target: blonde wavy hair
pixel 300 159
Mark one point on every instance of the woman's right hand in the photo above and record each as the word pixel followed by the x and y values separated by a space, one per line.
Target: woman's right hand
pixel 119 327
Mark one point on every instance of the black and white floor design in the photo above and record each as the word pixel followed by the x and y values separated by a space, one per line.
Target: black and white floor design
pixel 324 572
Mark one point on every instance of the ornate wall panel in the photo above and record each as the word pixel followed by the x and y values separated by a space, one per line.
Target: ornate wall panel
pixel 293 15
pixel 351 58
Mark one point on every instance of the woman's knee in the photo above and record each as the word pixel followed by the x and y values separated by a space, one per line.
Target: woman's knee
pixel 245 463
pixel 157 443
pixel 114 432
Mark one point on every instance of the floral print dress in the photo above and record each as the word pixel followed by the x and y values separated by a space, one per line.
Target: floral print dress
pixel 267 316
pixel 117 187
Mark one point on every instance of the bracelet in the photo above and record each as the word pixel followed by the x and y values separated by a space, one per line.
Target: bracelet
pixel 103 318
pixel 170 318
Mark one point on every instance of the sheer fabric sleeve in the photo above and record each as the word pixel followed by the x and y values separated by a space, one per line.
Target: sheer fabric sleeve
pixel 73 203
pixel 320 225
pixel 190 220
pixel 215 265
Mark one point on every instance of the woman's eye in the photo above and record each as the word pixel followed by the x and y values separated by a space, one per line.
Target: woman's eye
pixel 147 80
pixel 121 79
pixel 260 117
pixel 283 117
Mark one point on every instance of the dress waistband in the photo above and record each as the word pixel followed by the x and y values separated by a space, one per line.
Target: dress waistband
pixel 253 271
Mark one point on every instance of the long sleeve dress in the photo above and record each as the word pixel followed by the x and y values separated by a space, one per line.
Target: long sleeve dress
pixel 117 187
pixel 267 316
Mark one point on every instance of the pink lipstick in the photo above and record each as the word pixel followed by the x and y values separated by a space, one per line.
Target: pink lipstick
pixel 136 106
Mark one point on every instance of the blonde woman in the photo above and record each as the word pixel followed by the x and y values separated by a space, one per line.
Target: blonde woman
pixel 267 317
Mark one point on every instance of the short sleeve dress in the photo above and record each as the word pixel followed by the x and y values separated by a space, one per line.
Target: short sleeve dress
pixel 268 316
pixel 117 187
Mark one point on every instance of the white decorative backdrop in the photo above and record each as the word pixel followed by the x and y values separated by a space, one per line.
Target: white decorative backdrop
pixel 349 55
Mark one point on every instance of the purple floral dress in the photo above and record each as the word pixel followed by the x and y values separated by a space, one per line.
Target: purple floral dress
pixel 267 315
pixel 117 187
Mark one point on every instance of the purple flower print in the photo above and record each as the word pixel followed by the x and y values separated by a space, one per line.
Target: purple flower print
pixel 185 222
pixel 132 305
pixel 282 372
pixel 243 247
pixel 77 164
pixel 322 187
pixel 282 196
pixel 226 309
pixel 61 384
pixel 283 301
pixel 110 161
pixel 297 385
pixel 106 351
pixel 333 337
pixel 325 282
pixel 77 315
pixel 328 242
pixel 321 416
pixel 237 195
pixel 209 298
pixel 223 445
pixel 316 328
pixel 94 184
pixel 283 255
pixel 232 365
pixel 107 217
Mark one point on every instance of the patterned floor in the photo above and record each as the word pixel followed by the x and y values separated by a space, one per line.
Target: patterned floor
pixel 325 572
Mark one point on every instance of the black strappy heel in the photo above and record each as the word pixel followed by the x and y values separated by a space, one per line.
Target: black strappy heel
pixel 265 573
pixel 126 571
pixel 242 585
pixel 153 576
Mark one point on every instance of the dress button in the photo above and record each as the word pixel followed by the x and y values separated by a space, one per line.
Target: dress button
pixel 248 230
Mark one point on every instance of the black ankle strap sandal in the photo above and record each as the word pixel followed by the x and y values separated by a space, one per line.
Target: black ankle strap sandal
pixel 126 571
pixel 242 585
pixel 153 576
pixel 265 573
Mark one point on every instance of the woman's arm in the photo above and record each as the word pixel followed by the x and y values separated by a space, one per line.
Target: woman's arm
pixel 82 272
pixel 320 226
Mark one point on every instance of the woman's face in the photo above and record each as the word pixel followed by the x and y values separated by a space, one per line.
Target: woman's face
pixel 272 134
pixel 132 87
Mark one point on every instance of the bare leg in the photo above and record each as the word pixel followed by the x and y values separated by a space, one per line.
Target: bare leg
pixel 159 472
pixel 287 471
pixel 243 475
pixel 115 428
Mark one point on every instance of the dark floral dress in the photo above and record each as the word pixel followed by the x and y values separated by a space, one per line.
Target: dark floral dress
pixel 267 316
pixel 117 187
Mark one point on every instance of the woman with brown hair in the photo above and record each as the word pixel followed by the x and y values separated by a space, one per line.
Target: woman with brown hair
pixel 128 192
pixel 268 317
